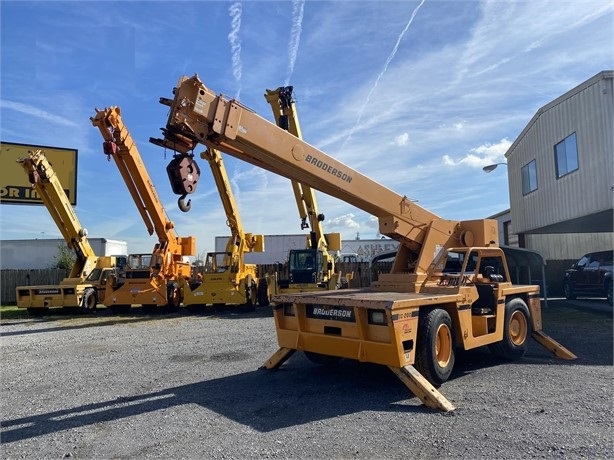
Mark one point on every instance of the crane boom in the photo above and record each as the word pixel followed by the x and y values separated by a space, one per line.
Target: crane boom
pixel 220 177
pixel 225 278
pixel 284 111
pixel 151 279
pixel 86 283
pixel 44 179
pixel 198 115
pixel 121 147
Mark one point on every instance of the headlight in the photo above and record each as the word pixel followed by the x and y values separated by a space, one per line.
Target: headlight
pixel 377 317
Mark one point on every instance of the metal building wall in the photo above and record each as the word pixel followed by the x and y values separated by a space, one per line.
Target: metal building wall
pixel 588 111
pixel 569 246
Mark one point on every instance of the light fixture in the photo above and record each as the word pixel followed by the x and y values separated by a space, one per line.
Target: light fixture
pixel 492 167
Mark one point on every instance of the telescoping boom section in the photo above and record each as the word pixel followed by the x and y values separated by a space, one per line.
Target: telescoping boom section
pixel 449 287
pixel 85 285
pixel 151 279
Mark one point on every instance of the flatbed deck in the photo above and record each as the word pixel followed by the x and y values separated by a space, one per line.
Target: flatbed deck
pixel 363 297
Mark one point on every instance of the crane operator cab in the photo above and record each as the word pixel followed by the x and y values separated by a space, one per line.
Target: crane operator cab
pixel 304 265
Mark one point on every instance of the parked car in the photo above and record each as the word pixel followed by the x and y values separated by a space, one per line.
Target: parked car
pixel 590 276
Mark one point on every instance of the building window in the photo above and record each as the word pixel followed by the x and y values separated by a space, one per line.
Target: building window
pixel 566 156
pixel 529 177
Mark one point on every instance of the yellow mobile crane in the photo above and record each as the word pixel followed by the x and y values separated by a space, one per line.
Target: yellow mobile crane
pixel 85 286
pixel 449 286
pixel 227 279
pixel 151 279
pixel 314 267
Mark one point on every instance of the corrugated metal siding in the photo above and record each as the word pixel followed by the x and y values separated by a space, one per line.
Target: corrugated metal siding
pixel 588 113
pixel 570 245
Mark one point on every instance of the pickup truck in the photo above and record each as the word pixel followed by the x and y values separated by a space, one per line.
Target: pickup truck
pixel 591 276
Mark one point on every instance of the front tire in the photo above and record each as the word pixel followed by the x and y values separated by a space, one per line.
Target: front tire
pixel 568 291
pixel 90 300
pixel 173 297
pixel 516 331
pixel 435 348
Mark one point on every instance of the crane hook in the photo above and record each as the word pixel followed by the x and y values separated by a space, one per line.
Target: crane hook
pixel 185 207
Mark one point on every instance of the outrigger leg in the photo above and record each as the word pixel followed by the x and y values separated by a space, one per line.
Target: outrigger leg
pixel 422 388
pixel 278 358
pixel 556 348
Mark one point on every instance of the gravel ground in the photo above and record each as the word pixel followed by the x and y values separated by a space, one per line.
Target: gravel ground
pixel 188 386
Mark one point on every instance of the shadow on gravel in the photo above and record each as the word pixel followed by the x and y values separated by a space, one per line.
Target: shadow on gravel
pixel 263 400
pixel 135 315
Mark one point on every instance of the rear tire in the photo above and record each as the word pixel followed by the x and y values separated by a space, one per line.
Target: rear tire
pixel 263 293
pixel 608 292
pixel 516 331
pixel 435 348
pixel 118 309
pixel 250 294
pixel 322 360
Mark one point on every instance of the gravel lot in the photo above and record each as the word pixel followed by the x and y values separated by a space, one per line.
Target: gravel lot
pixel 188 386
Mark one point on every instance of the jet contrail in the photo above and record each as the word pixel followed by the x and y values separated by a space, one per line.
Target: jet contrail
pixel 381 74
pixel 235 11
pixel 295 35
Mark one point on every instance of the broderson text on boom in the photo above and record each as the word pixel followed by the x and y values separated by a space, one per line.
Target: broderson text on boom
pixel 328 168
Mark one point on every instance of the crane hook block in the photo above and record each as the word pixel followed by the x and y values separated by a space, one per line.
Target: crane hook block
pixel 109 148
pixel 183 173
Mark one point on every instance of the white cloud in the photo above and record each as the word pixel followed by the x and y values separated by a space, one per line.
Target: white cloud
pixel 36 112
pixel 295 36
pixel 234 38
pixel 383 71
pixel 482 155
pixel 401 140
pixel 343 222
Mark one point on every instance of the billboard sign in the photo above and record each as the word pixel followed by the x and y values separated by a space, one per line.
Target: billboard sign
pixel 15 188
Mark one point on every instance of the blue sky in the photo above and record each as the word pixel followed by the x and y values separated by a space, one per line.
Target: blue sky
pixel 418 95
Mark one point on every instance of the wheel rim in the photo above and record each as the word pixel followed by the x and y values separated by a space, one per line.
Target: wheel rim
pixel 91 302
pixel 443 345
pixel 518 328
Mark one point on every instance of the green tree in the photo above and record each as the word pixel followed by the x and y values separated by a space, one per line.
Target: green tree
pixel 65 258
